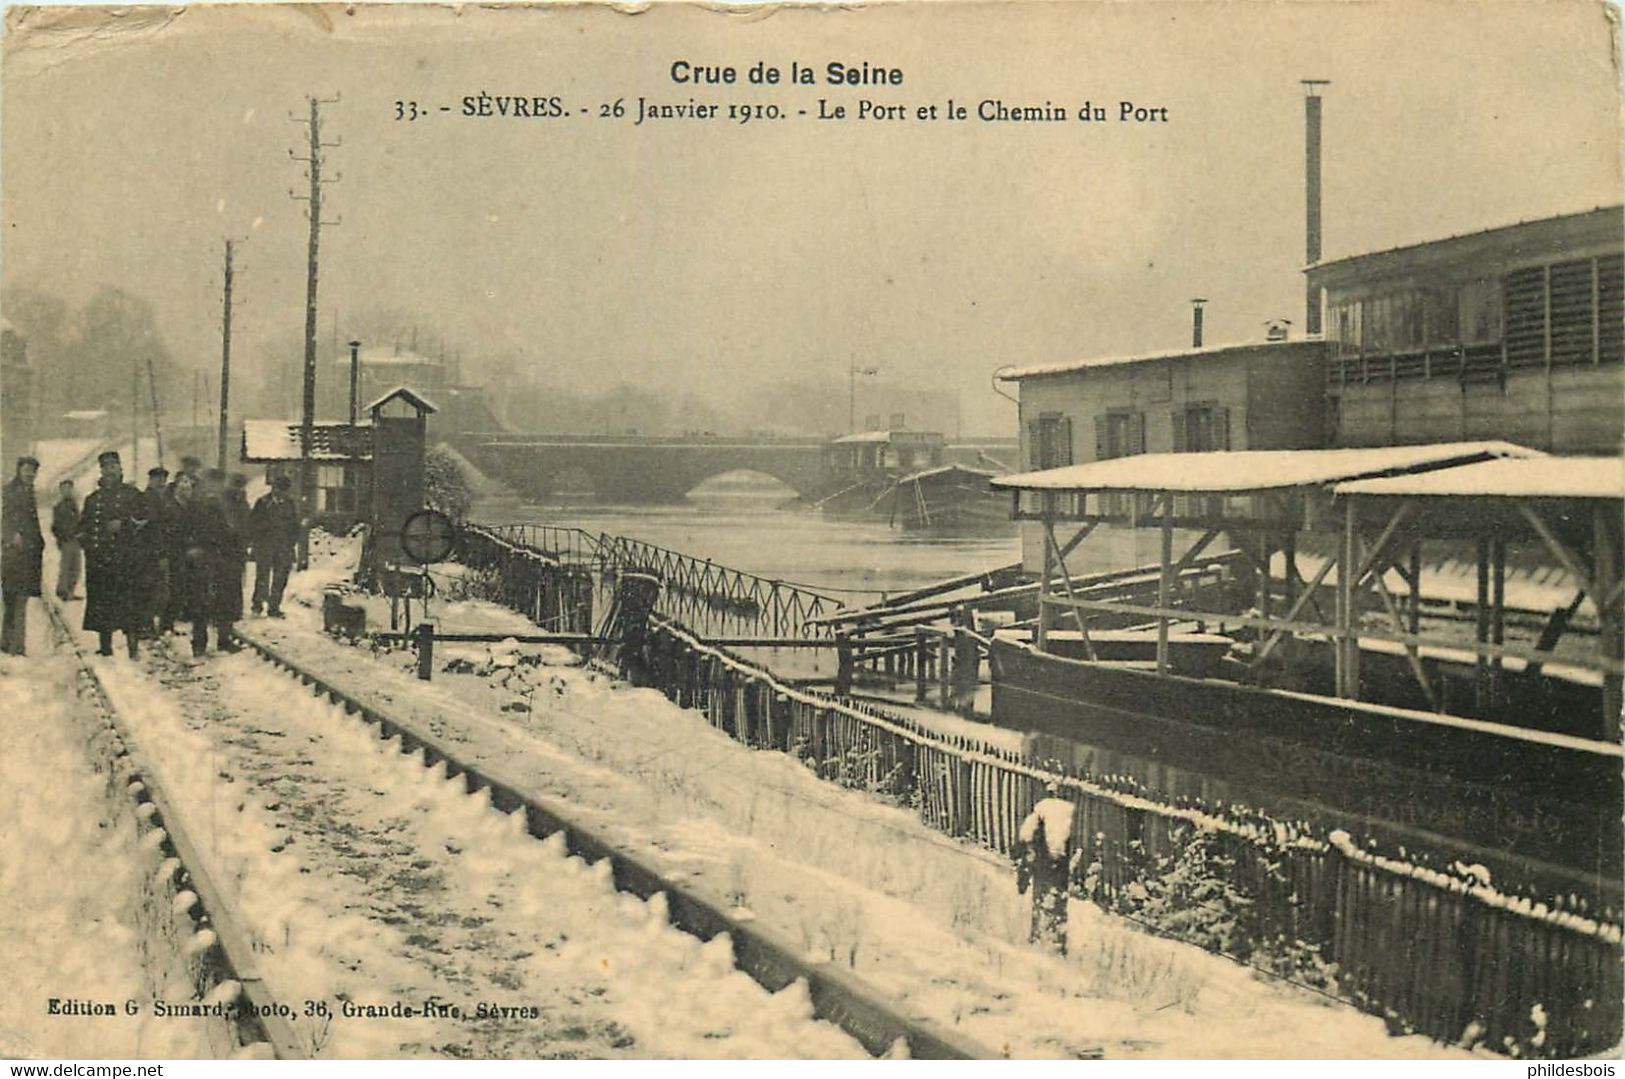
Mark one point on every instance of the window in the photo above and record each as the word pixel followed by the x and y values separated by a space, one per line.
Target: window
pixel 1201 428
pixel 334 491
pixel 1119 433
pixel 1049 441
pixel 1479 306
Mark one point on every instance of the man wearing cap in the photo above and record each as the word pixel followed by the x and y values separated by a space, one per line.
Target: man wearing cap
pixel 24 549
pixel 274 526
pixel 69 555
pixel 152 557
pixel 113 512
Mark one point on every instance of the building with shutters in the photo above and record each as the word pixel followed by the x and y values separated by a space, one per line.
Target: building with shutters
pixel 1265 395
pixel 1513 333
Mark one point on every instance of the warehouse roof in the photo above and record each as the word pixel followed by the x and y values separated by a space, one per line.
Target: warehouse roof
pixel 1255 470
pixel 1534 477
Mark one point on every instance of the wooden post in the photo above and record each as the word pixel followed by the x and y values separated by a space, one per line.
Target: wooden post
pixel 1481 628
pixel 1610 640
pixel 1165 581
pixel 1415 624
pixel 1348 641
pixel 945 689
pixel 425 651
pixel 1498 588
pixel 1043 579
pixel 843 665
pixel 921 647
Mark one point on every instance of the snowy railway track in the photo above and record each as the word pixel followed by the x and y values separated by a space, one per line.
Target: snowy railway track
pixel 836 996
pixel 236 984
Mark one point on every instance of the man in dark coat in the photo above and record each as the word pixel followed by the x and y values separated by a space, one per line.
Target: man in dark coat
pixel 153 554
pixel 70 556
pixel 198 538
pixel 113 512
pixel 231 556
pixel 24 550
pixel 274 527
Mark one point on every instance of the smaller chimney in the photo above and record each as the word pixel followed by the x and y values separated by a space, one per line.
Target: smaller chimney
pixel 1277 329
pixel 355 381
pixel 1196 322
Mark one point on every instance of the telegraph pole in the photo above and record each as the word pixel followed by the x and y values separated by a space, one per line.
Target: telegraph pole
pixel 307 477
pixel 225 366
pixel 852 373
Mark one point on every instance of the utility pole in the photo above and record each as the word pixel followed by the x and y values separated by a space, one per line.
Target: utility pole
pixel 225 366
pixel 157 425
pixel 307 429
pixel 135 422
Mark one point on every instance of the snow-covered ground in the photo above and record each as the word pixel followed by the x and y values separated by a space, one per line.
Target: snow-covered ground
pixel 367 882
pixel 70 879
pixel 933 922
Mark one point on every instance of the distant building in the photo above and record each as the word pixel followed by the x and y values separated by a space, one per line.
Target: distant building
pixel 889 451
pixel 1512 333
pixel 461 407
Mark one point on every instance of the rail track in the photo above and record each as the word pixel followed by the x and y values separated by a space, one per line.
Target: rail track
pixel 231 975
pixel 837 996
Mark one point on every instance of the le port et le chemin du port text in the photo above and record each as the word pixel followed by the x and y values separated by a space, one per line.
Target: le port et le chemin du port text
pixel 878 99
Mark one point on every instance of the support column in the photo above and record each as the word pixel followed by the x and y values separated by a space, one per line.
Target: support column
pixel 1481 667
pixel 1498 588
pixel 1165 581
pixel 1043 580
pixel 1348 619
pixel 1610 640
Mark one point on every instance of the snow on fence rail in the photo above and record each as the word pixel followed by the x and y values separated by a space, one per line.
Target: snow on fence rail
pixel 1444 955
pixel 717 598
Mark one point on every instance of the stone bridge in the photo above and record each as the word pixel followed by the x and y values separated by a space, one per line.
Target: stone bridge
pixel 630 469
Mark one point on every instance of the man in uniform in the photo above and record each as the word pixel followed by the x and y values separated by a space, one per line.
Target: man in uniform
pixel 24 550
pixel 113 512
pixel 274 526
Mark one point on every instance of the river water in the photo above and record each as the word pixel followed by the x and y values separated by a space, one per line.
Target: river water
pixel 743 528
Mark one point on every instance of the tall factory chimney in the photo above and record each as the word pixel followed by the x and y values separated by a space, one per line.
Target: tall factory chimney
pixel 1311 169
pixel 1196 322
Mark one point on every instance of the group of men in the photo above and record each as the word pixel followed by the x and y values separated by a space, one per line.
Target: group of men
pixel 173 552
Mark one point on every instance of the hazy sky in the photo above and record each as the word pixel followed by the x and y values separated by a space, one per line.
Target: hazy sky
pixel 700 254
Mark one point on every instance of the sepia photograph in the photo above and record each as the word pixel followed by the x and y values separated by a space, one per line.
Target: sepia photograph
pixel 1031 530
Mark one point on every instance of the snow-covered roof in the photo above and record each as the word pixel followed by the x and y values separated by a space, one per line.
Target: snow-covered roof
pixel 1066 367
pixel 417 400
pixel 1561 477
pixel 388 355
pixel 265 441
pixel 86 414
pixel 1254 470
pixel 864 436
pixel 943 470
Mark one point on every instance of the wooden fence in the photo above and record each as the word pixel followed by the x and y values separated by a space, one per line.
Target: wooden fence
pixel 1442 955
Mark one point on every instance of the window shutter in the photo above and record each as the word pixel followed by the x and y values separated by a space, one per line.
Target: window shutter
pixel 1100 438
pixel 1035 459
pixel 1221 428
pixel 1179 430
pixel 1136 436
pixel 1064 454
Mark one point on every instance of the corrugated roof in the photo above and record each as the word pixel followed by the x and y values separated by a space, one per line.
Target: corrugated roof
pixel 1254 470
pixel 1561 477
pixel 1066 367
pixel 265 441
